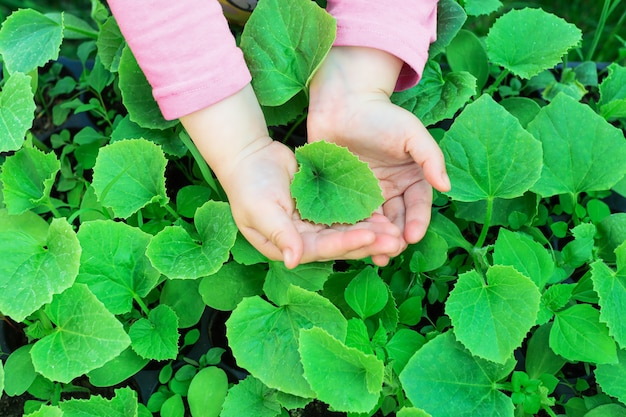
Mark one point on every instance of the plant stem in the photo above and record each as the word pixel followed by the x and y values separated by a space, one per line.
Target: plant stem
pixel 171 211
pixel 294 126
pixel 144 308
pixel 483 233
pixel 494 86
pixel 604 15
pixel 204 167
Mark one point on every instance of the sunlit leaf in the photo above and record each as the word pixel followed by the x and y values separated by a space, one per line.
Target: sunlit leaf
pixel 114 264
pixel 611 288
pixel 613 93
pixel 27 177
pixel 612 377
pixel 311 276
pixel 28 40
pixel 156 337
pixel 38 262
pixel 489 155
pixel 231 284
pixel 581 151
pixel 333 186
pixel 470 381
pixel 86 337
pixel 264 338
pixel 540 40
pixel 129 175
pixel 450 19
pixel 360 374
pixel 180 256
pixel 17 111
pixel 251 397
pixel 367 293
pixel 491 318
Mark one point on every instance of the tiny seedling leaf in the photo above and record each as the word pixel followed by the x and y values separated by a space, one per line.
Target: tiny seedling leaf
pixel 489 154
pixel 539 41
pixel 86 337
pixel 361 374
pixel 492 318
pixel 17 111
pixel 333 186
pixel 581 151
pixel 129 175
pixel 264 338
pixel 471 381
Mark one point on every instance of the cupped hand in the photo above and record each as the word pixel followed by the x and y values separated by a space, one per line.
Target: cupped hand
pixel 261 203
pixel 350 106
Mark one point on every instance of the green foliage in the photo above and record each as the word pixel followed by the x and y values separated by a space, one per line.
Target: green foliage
pixel 116 237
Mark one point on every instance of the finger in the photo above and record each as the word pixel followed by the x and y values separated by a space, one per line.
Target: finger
pixel 395 211
pixel 427 153
pixel 418 202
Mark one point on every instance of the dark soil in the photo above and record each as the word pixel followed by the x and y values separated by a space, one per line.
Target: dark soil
pixel 13 406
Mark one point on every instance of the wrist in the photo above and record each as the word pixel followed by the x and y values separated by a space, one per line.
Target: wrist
pixel 228 130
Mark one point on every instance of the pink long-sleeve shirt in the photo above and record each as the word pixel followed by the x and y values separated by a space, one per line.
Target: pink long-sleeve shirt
pixel 189 56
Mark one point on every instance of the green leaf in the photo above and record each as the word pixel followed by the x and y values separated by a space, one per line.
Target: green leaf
pixel 333 186
pixel 607 410
pixel 469 380
pixel 231 284
pixel 29 40
pixel 207 392
pixel 529 41
pixel 540 359
pixel 114 264
pixel 19 371
pixel 612 101
pixel 86 337
pixel 328 362
pixel 190 198
pixel 489 154
pixel 492 318
pixel 137 95
pixel 436 97
pixel 578 335
pixel 251 397
pixel 450 231
pixel 581 151
pixel 412 412
pixel 577 252
pixel 481 7
pixel 612 377
pixel 429 253
pixel 283 60
pixel 264 338
pixel 513 212
pixel 123 404
pixel 168 139
pixel 402 346
pixel 525 255
pixel 611 288
pixel 38 261
pixel 524 108
pixel 466 53
pixel 17 111
pixel 129 175
pixel 184 298
pixel 157 336
pixel 367 293
pixel 311 276
pixel 118 369
pixel 554 299
pixel 611 234
pixel 450 19
pixel 110 44
pixel 178 255
pixel 27 178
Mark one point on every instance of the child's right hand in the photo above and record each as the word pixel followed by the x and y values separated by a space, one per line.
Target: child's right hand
pixel 256 172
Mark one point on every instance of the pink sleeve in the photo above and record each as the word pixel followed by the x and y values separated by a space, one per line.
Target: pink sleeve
pixel 401 27
pixel 185 49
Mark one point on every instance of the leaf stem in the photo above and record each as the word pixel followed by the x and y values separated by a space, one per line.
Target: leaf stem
pixel 294 126
pixel 204 167
pixel 483 233
pixel 604 15
pixel 494 86
pixel 144 308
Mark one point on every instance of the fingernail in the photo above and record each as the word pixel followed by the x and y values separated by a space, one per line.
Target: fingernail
pixel 445 180
pixel 288 257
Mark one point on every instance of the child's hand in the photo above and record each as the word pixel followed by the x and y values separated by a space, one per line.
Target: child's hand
pixel 350 106
pixel 256 171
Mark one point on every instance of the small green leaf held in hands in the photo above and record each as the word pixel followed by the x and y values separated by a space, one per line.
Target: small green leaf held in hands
pixel 333 186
